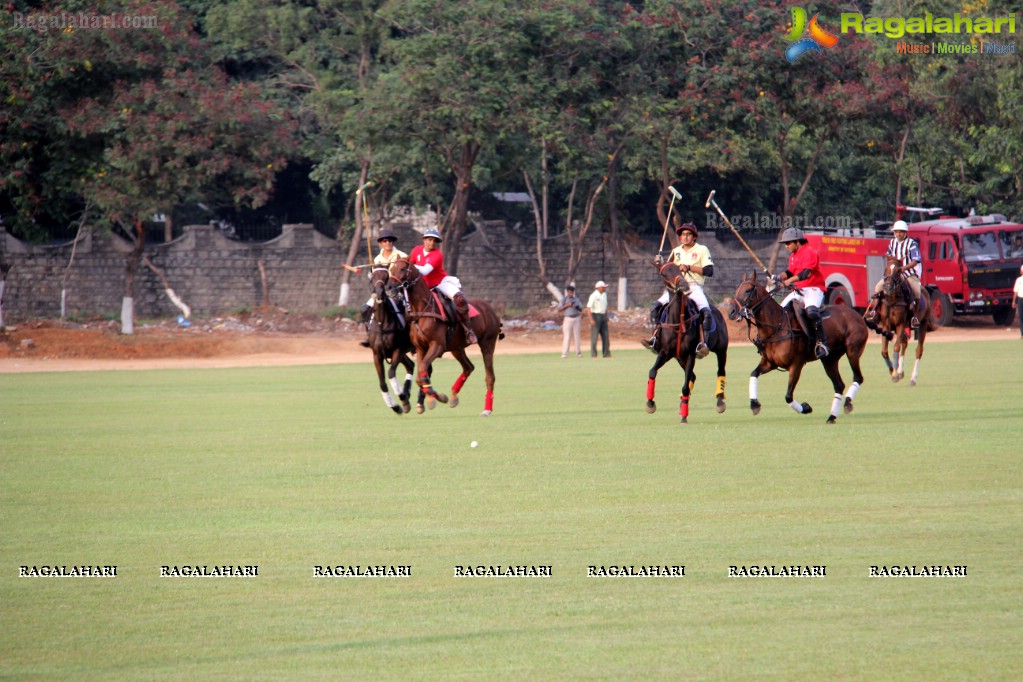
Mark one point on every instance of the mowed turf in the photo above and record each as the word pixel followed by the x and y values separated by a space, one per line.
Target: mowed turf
pixel 291 468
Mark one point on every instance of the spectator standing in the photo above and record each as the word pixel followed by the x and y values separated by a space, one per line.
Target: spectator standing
pixel 596 308
pixel 571 327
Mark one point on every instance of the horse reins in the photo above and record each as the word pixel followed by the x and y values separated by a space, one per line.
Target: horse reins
pixel 748 313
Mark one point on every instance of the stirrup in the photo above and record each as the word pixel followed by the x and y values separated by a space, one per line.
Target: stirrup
pixel 651 344
pixel 702 350
pixel 821 350
pixel 914 323
pixel 470 336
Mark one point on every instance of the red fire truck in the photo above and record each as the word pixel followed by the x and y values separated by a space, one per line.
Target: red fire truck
pixel 969 264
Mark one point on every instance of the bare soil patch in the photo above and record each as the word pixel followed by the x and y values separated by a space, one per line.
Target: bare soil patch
pixel 275 337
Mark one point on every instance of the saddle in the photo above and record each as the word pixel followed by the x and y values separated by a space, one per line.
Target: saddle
pixel 798 311
pixel 447 307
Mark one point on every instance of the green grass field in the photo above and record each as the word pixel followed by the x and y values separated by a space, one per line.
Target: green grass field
pixel 290 468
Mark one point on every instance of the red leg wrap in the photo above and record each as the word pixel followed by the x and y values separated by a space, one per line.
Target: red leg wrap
pixel 683 407
pixel 650 383
pixel 459 382
pixel 489 402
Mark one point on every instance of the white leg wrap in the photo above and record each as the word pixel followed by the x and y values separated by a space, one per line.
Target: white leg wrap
pixel 797 406
pixel 851 392
pixel 753 384
pixel 836 404
pixel 394 384
pixel 388 400
pixel 916 370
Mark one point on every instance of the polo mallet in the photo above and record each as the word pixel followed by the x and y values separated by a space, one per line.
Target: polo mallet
pixel 365 218
pixel 667 221
pixel 711 202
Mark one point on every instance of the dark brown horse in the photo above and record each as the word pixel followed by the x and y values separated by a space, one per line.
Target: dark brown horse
pixel 894 314
pixel 435 331
pixel 390 343
pixel 677 338
pixel 783 344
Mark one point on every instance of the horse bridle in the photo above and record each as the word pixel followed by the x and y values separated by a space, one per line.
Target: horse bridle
pixel 747 311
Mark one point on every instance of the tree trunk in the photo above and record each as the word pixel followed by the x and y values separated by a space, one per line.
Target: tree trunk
pixel 459 213
pixel 186 312
pixel 353 249
pixel 616 234
pixel 131 267
pixel 4 269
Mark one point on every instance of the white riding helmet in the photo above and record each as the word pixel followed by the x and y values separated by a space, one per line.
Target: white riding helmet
pixel 900 226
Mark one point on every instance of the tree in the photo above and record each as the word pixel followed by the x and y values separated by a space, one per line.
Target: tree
pixel 171 127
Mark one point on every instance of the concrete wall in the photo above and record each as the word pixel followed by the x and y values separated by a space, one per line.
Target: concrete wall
pixel 216 275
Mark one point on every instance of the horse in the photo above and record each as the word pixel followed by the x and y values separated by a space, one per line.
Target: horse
pixel 783 344
pixel 894 313
pixel 677 338
pixel 434 331
pixel 389 341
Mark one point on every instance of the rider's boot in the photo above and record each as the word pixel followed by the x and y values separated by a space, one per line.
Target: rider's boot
pixel 820 347
pixel 706 324
pixel 655 320
pixel 462 308
pixel 917 313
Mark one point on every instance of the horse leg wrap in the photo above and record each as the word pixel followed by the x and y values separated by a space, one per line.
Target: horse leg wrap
pixel 836 404
pixel 488 402
pixel 853 389
pixel 459 382
pixel 754 382
pixel 650 383
pixel 683 406
pixel 394 384
pixel 797 406
pixel 721 387
pixel 388 400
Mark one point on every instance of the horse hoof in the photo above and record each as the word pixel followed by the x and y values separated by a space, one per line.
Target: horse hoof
pixel 721 405
pixel 895 378
pixel 848 406
pixel 454 401
pixel 754 405
pixel 806 408
pixel 651 407
pixel 419 408
pixel 406 407
pixel 441 398
pixel 431 402
pixel 397 410
pixel 831 420
pixel 485 413
pixel 912 382
pixel 683 420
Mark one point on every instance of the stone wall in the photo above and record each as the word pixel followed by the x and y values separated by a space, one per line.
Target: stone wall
pixel 215 275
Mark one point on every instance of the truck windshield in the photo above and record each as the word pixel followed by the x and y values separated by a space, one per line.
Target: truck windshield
pixel 980 246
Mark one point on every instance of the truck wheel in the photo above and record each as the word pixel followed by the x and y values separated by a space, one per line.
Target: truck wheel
pixel 941 307
pixel 839 296
pixel 1003 316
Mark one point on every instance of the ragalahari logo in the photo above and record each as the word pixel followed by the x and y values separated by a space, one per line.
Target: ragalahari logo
pixel 801 42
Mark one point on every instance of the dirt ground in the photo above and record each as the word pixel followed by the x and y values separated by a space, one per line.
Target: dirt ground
pixel 274 337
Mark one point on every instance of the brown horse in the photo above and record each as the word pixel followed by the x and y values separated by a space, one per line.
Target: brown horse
pixel 894 313
pixel 390 343
pixel 677 338
pixel 435 331
pixel 783 344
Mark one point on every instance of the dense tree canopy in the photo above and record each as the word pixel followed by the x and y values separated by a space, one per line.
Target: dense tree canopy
pixel 439 102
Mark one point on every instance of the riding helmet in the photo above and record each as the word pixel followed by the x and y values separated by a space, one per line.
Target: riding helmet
pixel 900 226
pixel 792 234
pixel 432 233
pixel 386 233
pixel 687 226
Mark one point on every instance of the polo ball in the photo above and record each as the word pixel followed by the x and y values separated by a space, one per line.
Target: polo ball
pixel 473 444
